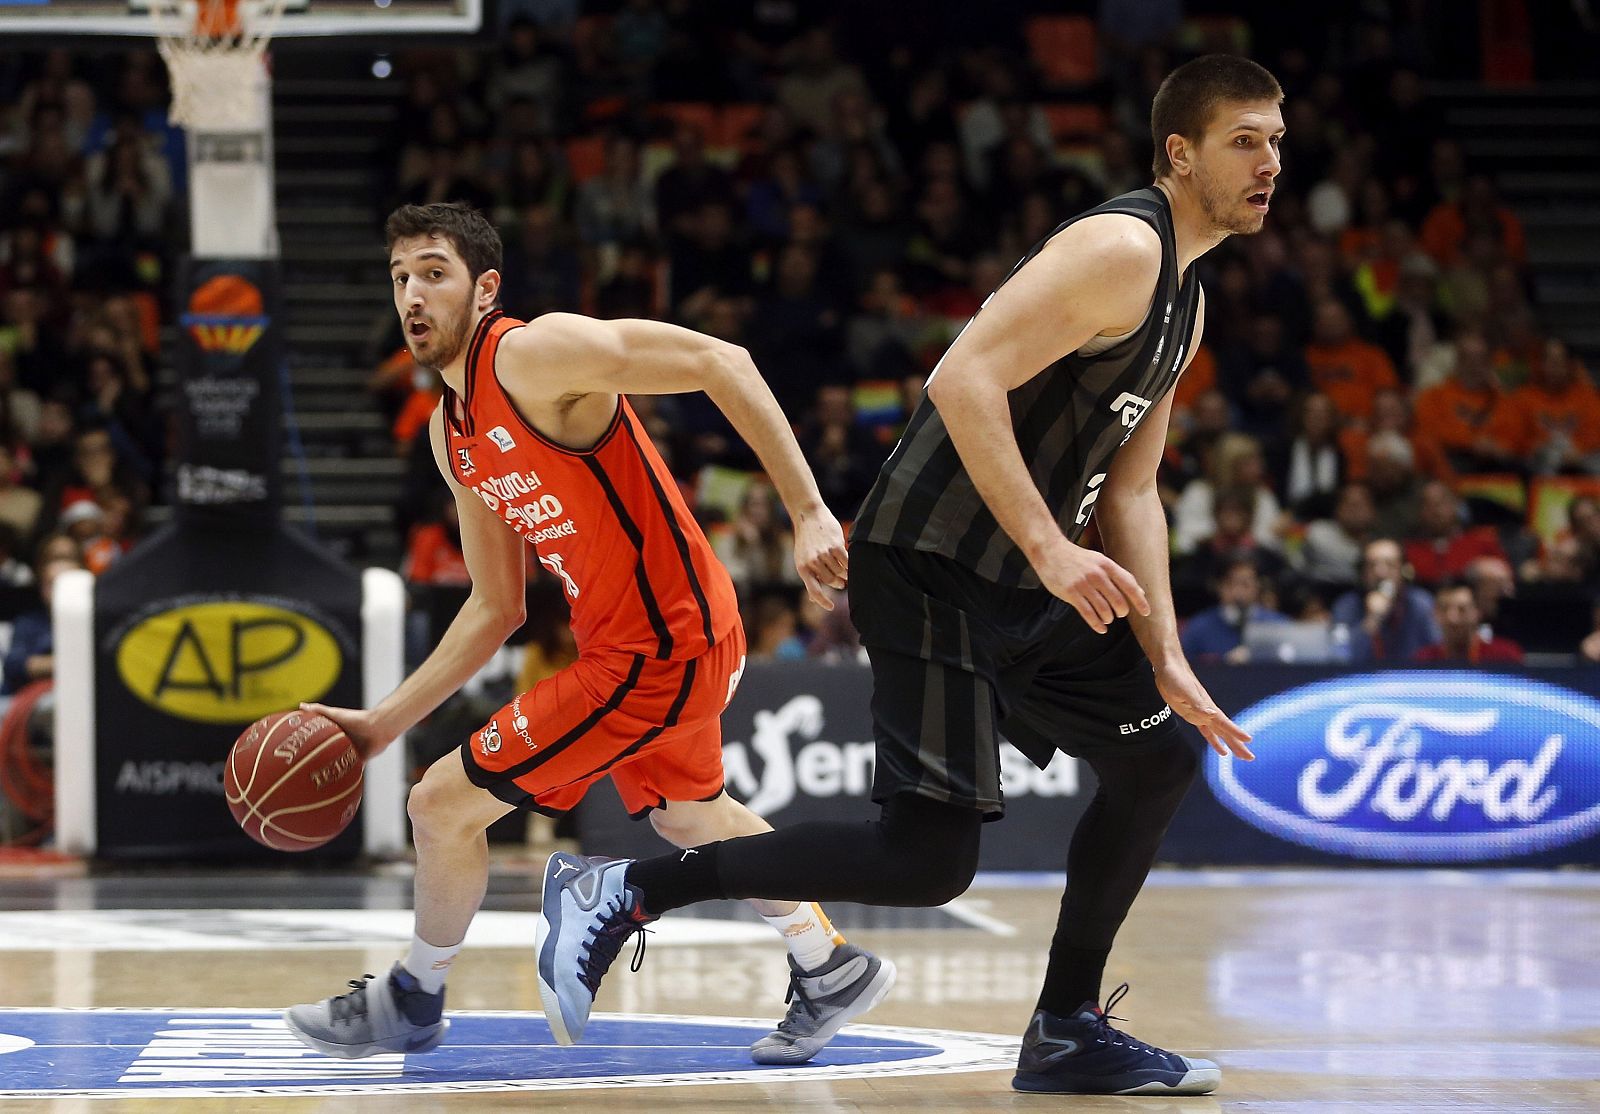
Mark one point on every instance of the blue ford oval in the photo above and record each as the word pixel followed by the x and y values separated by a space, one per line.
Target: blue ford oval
pixel 1420 766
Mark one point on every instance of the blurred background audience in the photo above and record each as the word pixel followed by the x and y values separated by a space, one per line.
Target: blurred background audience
pixel 1377 411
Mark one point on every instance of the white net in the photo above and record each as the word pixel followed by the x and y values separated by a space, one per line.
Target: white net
pixel 213 50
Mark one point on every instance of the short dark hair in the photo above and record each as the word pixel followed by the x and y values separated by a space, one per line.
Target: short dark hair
pixel 472 236
pixel 1191 93
pixel 1235 562
pixel 1456 584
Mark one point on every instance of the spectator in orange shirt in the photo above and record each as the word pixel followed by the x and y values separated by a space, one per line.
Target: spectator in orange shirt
pixel 390 383
pixel 1551 423
pixel 1198 378
pixel 1455 413
pixel 1446 545
pixel 426 389
pixel 1446 228
pixel 1344 367
pixel 1391 413
pixel 1463 638
pixel 1519 345
pixel 433 561
pixel 433 553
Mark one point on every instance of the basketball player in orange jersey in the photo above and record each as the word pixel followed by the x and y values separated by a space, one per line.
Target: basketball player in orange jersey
pixel 539 445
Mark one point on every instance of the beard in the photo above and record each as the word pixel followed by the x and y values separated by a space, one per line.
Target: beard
pixel 445 340
pixel 1226 210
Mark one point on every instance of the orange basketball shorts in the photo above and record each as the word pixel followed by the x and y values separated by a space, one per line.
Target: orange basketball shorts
pixel 651 725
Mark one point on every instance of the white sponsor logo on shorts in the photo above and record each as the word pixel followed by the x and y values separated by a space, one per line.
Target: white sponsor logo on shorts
pixel 1148 722
pixel 519 724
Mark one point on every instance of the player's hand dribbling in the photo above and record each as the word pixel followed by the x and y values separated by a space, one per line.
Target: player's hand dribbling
pixel 819 555
pixel 1182 690
pixel 1100 589
pixel 359 726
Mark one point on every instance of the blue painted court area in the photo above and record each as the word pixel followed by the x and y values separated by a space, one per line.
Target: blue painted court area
pixel 104 1052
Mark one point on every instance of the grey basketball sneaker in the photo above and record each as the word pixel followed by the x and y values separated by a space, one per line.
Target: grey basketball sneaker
pixel 822 1001
pixel 396 1015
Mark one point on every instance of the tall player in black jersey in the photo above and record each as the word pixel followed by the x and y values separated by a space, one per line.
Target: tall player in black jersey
pixel 983 616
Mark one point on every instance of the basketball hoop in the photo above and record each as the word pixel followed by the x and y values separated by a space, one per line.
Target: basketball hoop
pixel 213 49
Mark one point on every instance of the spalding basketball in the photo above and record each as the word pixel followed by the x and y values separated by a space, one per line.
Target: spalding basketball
pixel 293 781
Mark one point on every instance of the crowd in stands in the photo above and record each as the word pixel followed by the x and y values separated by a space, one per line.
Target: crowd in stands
pixel 1355 445
pixel 89 170
pixel 1376 439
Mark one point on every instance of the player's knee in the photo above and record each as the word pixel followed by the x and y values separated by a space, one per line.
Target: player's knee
pixel 671 828
pixel 422 805
pixel 951 883
pixel 930 881
pixel 932 849
pixel 938 864
pixel 434 806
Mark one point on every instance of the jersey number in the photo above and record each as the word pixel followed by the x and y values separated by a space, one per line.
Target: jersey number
pixel 733 682
pixel 552 561
pixel 1086 508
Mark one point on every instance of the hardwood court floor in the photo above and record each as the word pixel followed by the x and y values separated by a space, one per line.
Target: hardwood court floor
pixel 1317 992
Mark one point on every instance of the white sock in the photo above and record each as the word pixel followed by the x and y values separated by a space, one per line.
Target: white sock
pixel 808 932
pixel 428 964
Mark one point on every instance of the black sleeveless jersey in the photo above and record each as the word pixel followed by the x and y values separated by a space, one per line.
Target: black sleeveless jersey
pixel 1070 419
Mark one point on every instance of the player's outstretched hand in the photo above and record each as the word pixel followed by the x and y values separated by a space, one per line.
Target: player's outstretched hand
pixel 1100 589
pixel 1183 691
pixel 358 725
pixel 820 556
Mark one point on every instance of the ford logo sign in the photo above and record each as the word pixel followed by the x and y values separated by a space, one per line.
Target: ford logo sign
pixel 1420 766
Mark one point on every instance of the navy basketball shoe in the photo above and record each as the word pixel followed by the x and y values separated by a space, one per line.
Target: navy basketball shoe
pixel 1085 1055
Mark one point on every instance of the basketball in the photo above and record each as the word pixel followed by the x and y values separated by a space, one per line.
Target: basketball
pixel 293 781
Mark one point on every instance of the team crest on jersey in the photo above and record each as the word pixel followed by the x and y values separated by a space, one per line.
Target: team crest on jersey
pixel 489 739
pixel 502 440
pixel 464 458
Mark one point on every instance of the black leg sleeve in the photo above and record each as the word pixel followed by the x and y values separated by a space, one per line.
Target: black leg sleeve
pixel 1110 856
pixel 919 852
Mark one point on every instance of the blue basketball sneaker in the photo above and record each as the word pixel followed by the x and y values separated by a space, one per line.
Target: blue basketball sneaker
pixel 589 913
pixel 1084 1055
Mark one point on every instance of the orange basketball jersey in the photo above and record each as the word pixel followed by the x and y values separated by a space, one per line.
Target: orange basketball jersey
pixel 608 520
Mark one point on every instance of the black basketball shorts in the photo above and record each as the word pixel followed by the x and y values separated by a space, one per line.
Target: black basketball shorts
pixel 960 663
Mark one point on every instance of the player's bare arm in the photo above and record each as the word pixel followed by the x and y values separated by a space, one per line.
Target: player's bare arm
pixel 493 610
pixel 562 363
pixel 1133 526
pixel 1095 278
